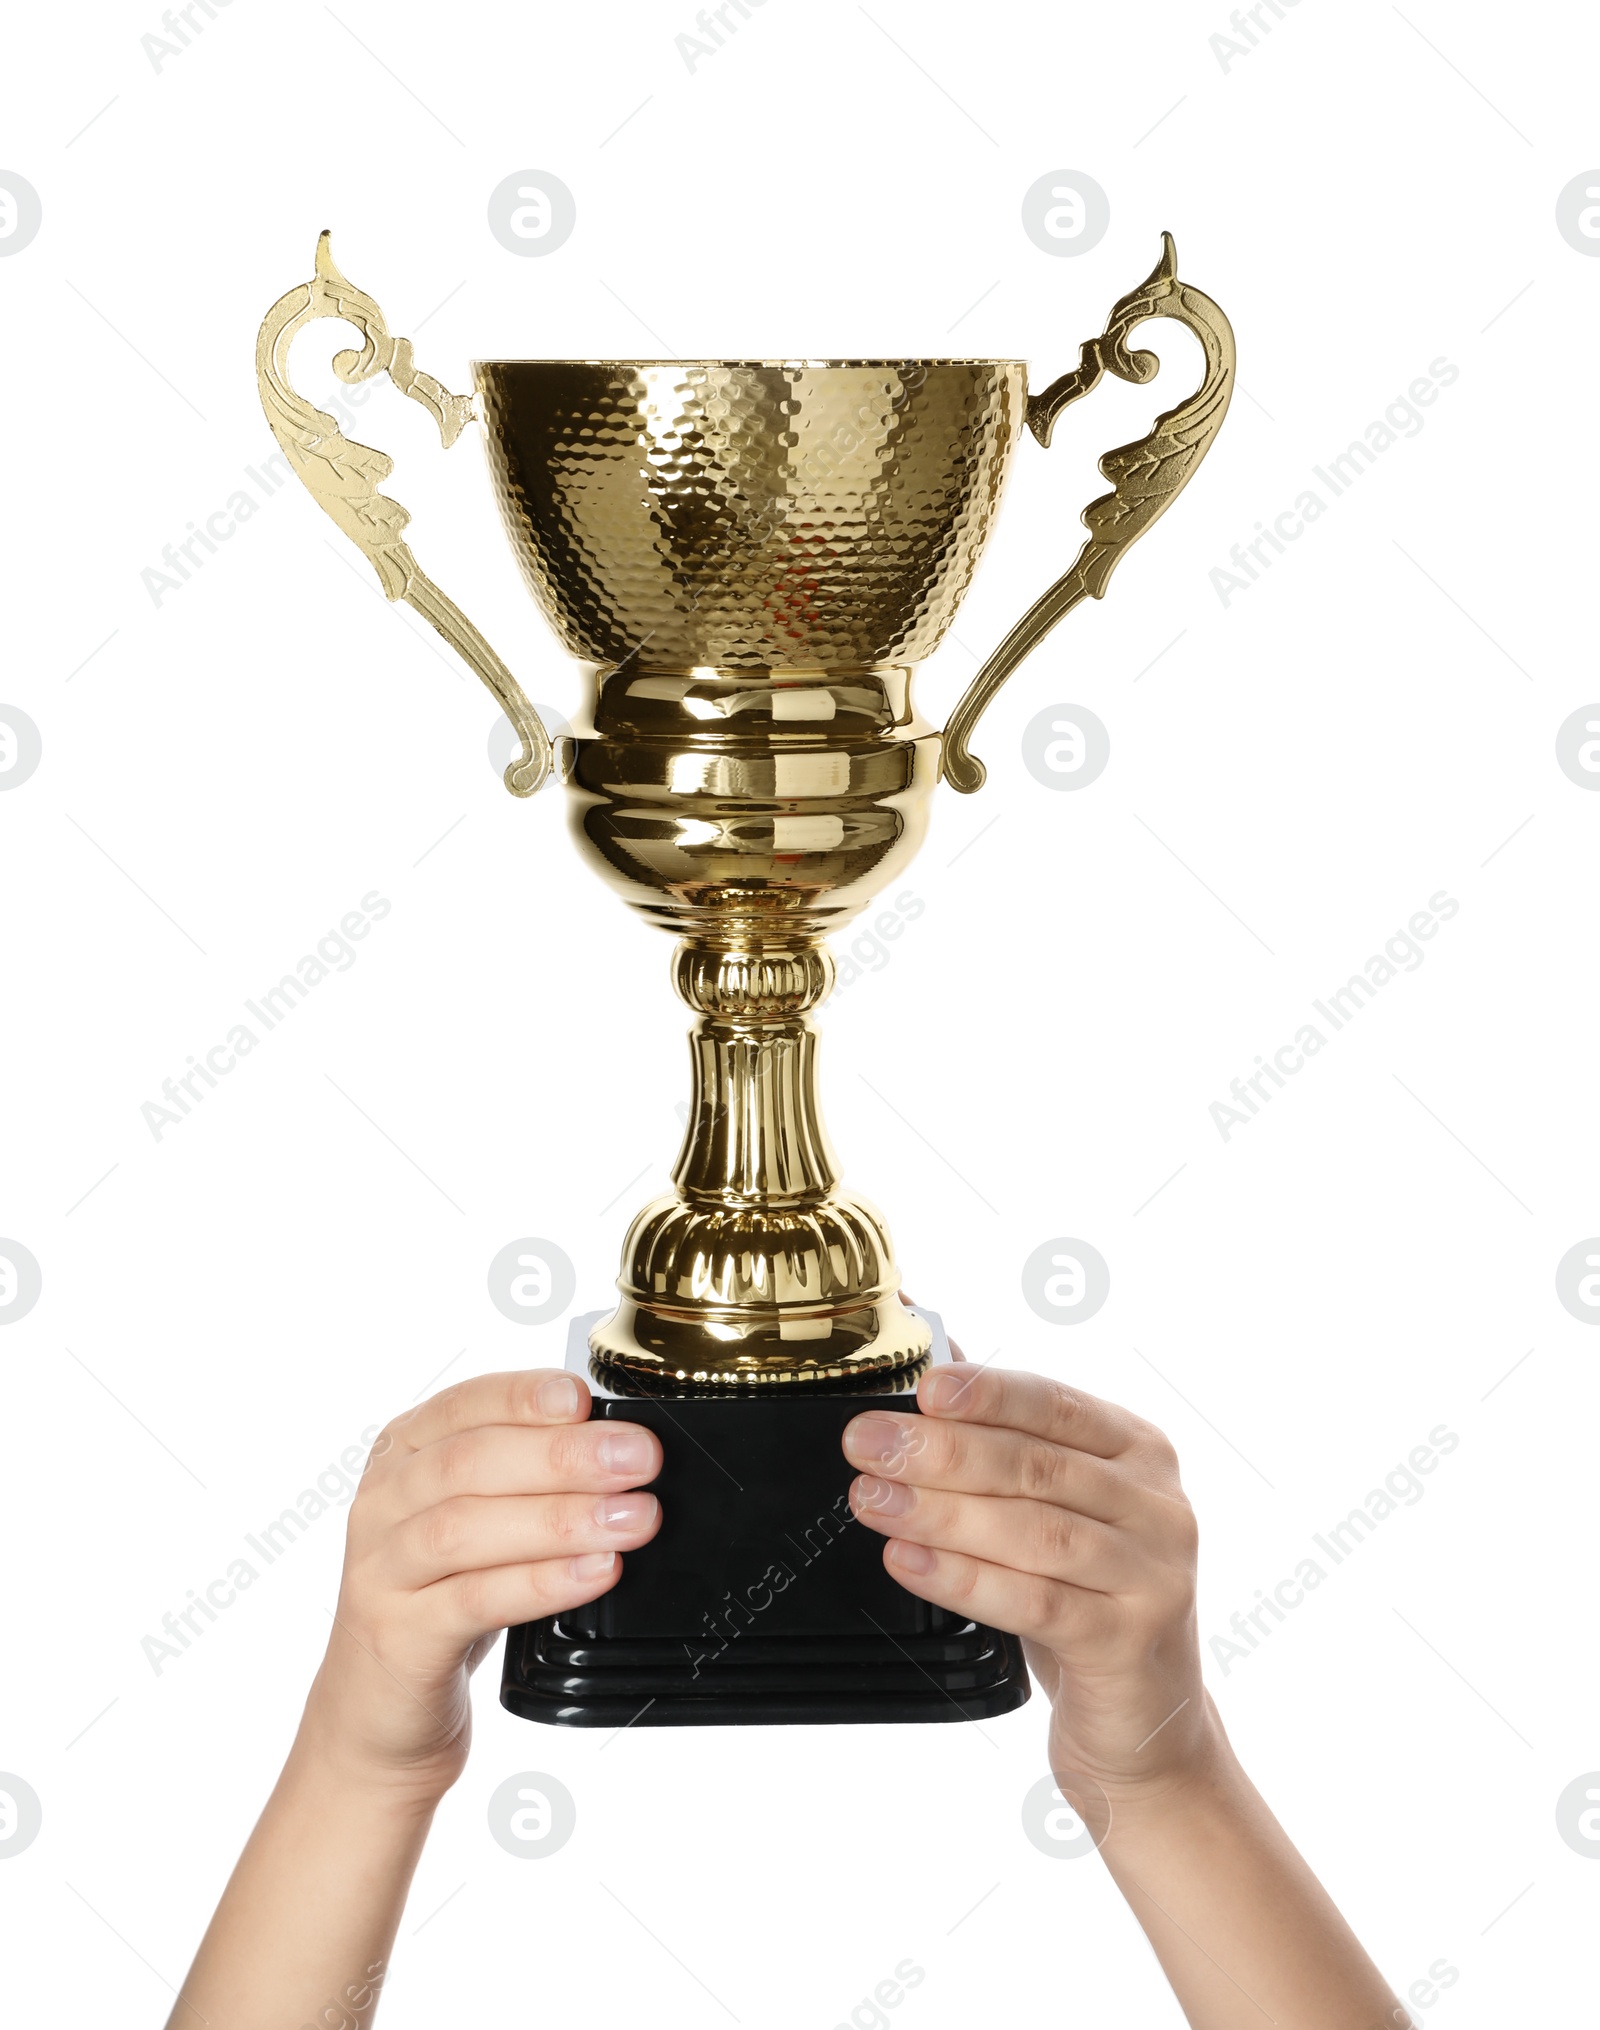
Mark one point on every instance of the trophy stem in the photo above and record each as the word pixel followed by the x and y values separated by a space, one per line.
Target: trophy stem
pixel 755 1133
pixel 757 1268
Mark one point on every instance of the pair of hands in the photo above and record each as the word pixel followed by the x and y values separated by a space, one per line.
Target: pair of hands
pixel 1010 1500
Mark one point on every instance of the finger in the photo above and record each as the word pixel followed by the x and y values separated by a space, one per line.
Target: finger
pixel 1031 1402
pixel 978 1459
pixel 470 1533
pixel 472 1604
pixel 532 1396
pixel 1028 1536
pixel 495 1459
pixel 955 1351
pixel 1022 1603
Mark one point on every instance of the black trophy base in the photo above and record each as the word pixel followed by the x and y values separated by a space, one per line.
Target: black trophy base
pixel 762 1602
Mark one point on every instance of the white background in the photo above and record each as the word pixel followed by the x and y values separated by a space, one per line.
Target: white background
pixel 226 774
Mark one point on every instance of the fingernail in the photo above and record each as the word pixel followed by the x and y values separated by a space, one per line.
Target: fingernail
pixel 943 1390
pixel 624 1511
pixel 876 1437
pixel 592 1565
pixel 626 1452
pixel 883 1497
pixel 558 1397
pixel 910 1557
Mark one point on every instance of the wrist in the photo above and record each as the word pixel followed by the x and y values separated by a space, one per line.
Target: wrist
pixel 1192 1760
pixel 1207 1779
pixel 343 1786
pixel 341 1760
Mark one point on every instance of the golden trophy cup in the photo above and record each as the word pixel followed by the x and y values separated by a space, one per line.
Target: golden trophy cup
pixel 750 558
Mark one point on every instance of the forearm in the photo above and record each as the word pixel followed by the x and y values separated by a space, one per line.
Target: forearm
pixel 1244 1930
pixel 495 1503
pixel 305 1926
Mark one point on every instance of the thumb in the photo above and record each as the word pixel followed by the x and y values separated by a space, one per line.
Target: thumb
pixel 955 1351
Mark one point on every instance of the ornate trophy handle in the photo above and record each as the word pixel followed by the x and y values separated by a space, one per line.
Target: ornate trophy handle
pixel 1148 476
pixel 343 477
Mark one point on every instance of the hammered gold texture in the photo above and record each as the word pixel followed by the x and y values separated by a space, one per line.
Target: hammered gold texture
pixel 750 515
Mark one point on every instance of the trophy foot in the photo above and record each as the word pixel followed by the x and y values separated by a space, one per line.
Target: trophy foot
pixel 960 1671
pixel 718 1294
pixel 731 1348
pixel 762 1601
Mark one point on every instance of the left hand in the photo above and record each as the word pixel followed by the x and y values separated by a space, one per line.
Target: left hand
pixel 1041 1510
pixel 498 1501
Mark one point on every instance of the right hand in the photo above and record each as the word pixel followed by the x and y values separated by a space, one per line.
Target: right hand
pixel 496 1502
